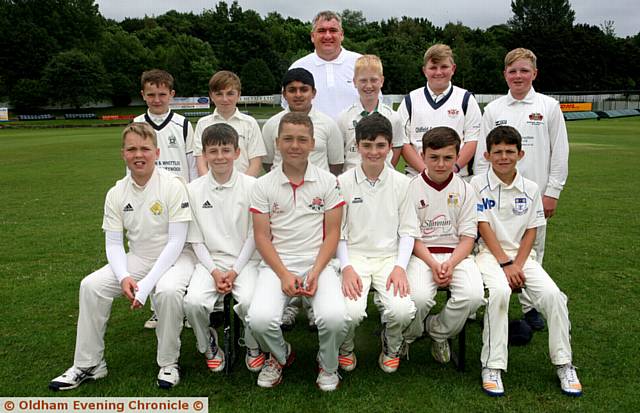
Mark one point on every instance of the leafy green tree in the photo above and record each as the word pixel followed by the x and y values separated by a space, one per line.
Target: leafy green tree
pixel 257 79
pixel 75 78
pixel 27 96
pixel 191 62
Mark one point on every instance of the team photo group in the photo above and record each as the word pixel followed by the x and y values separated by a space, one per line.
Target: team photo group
pixel 309 213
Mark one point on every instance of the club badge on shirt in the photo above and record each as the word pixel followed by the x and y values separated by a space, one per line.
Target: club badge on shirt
pixel 520 206
pixel 156 208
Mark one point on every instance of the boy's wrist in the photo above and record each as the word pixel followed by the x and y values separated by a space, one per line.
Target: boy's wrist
pixel 506 263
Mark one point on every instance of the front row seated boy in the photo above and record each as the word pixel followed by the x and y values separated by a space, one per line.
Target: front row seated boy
pixel 222 238
pixel 510 211
pixel 379 226
pixel 152 206
pixel 446 209
pixel 297 209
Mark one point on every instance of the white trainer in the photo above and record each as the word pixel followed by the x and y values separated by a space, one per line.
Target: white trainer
pixel 152 322
pixel 271 373
pixel 492 382
pixel 168 376
pixel 569 382
pixel 74 376
pixel 254 360
pixel 214 356
pixel 327 381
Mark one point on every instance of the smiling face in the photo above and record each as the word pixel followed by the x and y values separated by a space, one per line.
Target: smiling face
pixel 439 162
pixel 520 76
pixel 368 81
pixel 157 97
pixel 299 96
pixel 295 143
pixel 220 158
pixel 374 152
pixel 327 38
pixel 504 158
pixel 140 155
pixel 439 74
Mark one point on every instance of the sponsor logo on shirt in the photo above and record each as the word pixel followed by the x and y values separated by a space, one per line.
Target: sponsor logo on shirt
pixel 486 204
pixel 156 208
pixel 356 200
pixel 128 208
pixel 317 204
pixel 453 112
pixel 535 116
pixel 184 205
pixel 501 122
pixel 422 129
pixel 207 204
pixel 431 225
pixel 520 206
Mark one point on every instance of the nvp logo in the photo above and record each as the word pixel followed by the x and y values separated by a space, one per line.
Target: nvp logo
pixel 486 204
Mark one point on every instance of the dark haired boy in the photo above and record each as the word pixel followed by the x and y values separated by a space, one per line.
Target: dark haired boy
pixel 379 226
pixel 446 209
pixel 510 211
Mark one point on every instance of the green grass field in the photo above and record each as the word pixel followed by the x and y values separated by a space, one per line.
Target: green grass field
pixel 52 188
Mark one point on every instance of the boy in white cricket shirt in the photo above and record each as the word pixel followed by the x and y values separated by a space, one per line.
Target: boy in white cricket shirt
pixel 379 226
pixel 510 211
pixel 224 91
pixel 222 238
pixel 368 80
pixel 173 131
pixel 297 209
pixel 541 124
pixel 298 89
pixel 445 205
pixel 439 103
pixel 152 206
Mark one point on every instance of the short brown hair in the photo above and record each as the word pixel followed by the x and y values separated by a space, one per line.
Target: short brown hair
pixel 372 126
pixel 224 79
pixel 141 129
pixel 520 53
pixel 507 135
pixel 437 53
pixel 219 134
pixel 327 15
pixel 156 77
pixel 440 137
pixel 296 118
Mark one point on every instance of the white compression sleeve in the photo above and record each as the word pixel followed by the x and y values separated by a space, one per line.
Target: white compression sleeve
pixel 203 256
pixel 405 248
pixel 245 254
pixel 168 256
pixel 343 254
pixel 117 257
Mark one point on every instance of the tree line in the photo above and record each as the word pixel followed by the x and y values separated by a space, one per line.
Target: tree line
pixel 65 52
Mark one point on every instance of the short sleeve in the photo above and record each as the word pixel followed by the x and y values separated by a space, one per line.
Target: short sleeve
pixel 190 143
pixel 472 120
pixel 197 138
pixel 256 145
pixel 335 145
pixel 333 196
pixel 269 132
pixel 112 219
pixel 468 223
pixel 259 198
pixel 536 216
pixel 178 202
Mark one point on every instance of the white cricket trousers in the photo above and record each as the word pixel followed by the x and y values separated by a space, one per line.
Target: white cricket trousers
pixel 202 297
pixel 97 291
pixel 538 247
pixel 467 295
pixel 546 297
pixel 265 312
pixel 397 312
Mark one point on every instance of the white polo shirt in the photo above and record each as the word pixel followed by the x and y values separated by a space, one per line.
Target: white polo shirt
pixel 145 212
pixel 347 122
pixel 445 211
pixel 539 120
pixel 221 218
pixel 296 212
pixel 333 80
pixel 426 114
pixel 329 149
pixel 173 143
pixel 509 209
pixel 250 138
pixel 376 215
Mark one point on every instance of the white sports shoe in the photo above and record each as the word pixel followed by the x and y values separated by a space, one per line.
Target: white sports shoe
pixel 569 382
pixel 152 322
pixel 327 381
pixel 168 376
pixel 214 355
pixel 254 360
pixel 492 382
pixel 347 361
pixel 271 373
pixel 74 376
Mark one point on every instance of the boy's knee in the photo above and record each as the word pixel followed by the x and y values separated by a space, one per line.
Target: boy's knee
pixel 333 320
pixel 401 312
pixel 262 321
